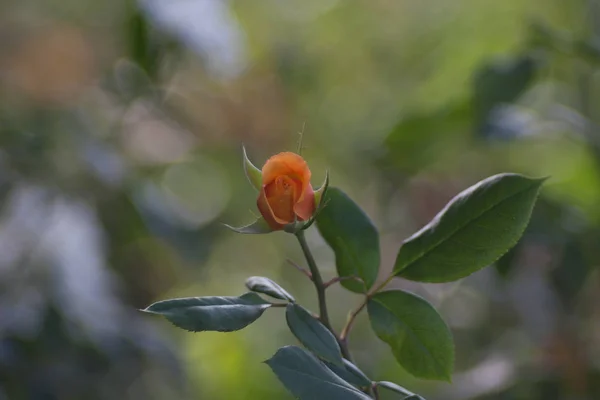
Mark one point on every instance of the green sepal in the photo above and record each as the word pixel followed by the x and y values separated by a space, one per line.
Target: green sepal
pixel 320 192
pixel 253 174
pixel 258 227
pixel 319 202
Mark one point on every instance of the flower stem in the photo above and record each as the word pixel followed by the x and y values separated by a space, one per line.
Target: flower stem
pixel 320 287
pixel 316 278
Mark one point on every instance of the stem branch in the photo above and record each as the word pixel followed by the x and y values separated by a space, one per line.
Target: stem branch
pixel 320 287
pixel 350 322
pixel 353 314
pixel 340 279
pixel 316 278
pixel 299 268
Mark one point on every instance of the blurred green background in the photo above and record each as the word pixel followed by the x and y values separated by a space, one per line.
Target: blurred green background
pixel 121 125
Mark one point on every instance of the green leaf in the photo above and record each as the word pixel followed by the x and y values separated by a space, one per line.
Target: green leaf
pixel 353 238
pixel 253 174
pixel 313 334
pixel 475 229
pixel 258 227
pixel 415 143
pixel 260 284
pixel 350 373
pixel 309 379
pixel 222 314
pixel 501 82
pixel 399 389
pixel 419 338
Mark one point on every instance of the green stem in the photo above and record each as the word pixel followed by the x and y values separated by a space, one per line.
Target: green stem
pixel 320 287
pixel 354 313
pixel 317 279
pixel 351 317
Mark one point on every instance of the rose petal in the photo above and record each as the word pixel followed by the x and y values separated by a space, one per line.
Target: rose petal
pixel 305 207
pixel 281 197
pixel 266 212
pixel 287 163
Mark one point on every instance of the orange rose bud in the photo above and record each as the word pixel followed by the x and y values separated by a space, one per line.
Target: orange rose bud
pixel 286 194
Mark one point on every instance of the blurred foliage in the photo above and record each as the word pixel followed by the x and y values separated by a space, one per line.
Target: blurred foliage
pixel 121 126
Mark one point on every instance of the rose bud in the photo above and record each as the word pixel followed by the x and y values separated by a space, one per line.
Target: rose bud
pixel 286 200
pixel 286 195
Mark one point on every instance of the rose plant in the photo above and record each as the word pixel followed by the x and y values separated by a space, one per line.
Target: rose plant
pixel 473 230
